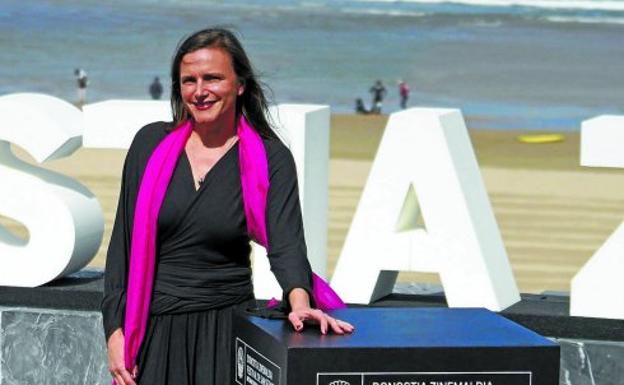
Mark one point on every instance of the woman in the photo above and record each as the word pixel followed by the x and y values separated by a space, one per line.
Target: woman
pixel 194 192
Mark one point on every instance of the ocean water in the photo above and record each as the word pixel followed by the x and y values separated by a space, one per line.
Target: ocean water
pixel 534 64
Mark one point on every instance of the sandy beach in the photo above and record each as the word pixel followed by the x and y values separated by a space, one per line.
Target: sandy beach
pixel 553 213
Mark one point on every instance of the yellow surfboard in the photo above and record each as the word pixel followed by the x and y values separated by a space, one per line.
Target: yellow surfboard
pixel 540 138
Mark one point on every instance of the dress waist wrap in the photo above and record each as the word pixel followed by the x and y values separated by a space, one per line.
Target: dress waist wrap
pixel 181 291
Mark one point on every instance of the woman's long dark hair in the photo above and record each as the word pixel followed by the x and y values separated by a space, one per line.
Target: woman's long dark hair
pixel 252 103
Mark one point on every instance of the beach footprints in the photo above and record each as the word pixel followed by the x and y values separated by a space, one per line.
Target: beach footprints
pixel 63 218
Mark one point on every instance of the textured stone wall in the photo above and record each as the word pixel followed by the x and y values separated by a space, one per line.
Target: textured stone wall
pixel 591 362
pixel 52 347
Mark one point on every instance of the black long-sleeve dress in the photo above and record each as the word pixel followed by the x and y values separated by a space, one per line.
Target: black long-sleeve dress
pixel 203 270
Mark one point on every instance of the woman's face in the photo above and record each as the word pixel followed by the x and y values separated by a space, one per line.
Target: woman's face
pixel 209 86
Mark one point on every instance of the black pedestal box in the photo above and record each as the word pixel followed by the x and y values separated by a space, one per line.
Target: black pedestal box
pixel 427 346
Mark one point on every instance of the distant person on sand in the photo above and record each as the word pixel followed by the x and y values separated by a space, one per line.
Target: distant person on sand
pixel 403 93
pixel 83 81
pixel 156 89
pixel 379 92
pixel 360 108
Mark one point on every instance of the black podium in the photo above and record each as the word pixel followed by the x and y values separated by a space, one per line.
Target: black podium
pixel 395 346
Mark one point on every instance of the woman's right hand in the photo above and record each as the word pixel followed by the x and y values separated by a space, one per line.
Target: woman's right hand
pixel 116 363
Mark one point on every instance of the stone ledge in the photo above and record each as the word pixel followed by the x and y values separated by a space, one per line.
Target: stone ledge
pixel 546 314
pixel 79 291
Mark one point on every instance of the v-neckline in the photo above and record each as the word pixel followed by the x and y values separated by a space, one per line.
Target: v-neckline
pixel 209 172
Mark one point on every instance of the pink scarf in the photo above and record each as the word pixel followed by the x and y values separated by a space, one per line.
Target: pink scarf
pixel 255 186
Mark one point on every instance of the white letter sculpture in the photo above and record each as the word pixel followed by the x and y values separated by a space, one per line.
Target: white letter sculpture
pixel 113 123
pixel 63 218
pixel 425 208
pixel 601 141
pixel 597 289
pixel 305 130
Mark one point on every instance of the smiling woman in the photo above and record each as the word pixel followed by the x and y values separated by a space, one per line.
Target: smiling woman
pixel 209 88
pixel 208 80
pixel 194 193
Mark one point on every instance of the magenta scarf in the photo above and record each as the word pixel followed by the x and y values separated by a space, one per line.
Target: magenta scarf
pixel 255 186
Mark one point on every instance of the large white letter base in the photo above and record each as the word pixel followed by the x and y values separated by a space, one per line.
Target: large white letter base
pixel 597 290
pixel 63 218
pixel 425 166
pixel 114 123
pixel 304 128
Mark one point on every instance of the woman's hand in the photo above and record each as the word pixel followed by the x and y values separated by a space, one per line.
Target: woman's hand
pixel 301 311
pixel 297 318
pixel 116 363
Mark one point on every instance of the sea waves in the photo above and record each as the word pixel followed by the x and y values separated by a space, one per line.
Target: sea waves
pixel 556 11
pixel 594 5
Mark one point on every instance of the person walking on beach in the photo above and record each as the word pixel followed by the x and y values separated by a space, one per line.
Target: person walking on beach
pixel 83 81
pixel 403 93
pixel 379 92
pixel 156 88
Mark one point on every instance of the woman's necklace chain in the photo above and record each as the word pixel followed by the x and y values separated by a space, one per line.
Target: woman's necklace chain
pixel 232 142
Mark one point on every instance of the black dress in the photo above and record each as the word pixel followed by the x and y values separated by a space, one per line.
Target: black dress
pixel 203 270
